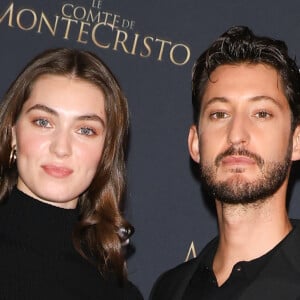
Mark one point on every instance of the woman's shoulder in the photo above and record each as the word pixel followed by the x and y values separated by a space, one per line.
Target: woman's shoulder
pixel 132 292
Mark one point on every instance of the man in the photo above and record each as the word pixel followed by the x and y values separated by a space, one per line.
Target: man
pixel 246 100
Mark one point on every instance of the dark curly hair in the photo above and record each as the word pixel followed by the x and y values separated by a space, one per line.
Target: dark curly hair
pixel 239 45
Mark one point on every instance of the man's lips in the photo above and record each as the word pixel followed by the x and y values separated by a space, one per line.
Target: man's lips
pixel 57 171
pixel 237 160
pixel 233 156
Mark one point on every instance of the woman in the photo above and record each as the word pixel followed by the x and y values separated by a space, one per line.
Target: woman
pixel 63 123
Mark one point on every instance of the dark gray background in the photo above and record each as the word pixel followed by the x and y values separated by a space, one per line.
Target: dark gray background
pixel 164 200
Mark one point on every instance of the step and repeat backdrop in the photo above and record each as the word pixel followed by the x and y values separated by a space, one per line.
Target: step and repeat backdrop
pixel 151 47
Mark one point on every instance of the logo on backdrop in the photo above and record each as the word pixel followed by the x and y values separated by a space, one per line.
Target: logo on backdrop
pixel 93 24
pixel 192 253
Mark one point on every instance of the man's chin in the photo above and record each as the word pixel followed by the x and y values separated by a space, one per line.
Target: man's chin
pixel 239 191
pixel 237 180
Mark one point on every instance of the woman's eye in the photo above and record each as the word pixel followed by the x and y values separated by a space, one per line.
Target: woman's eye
pixel 263 115
pixel 42 123
pixel 87 131
pixel 219 115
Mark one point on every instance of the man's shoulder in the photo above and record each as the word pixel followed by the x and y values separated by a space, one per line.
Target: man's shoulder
pixel 288 251
pixel 186 267
pixel 175 280
pixel 180 270
pixel 172 280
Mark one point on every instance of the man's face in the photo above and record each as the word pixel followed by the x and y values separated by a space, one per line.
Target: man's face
pixel 244 142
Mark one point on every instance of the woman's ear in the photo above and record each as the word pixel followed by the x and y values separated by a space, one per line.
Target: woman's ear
pixel 13 136
pixel 296 144
pixel 193 144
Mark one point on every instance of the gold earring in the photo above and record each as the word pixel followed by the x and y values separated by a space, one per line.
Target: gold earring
pixel 13 156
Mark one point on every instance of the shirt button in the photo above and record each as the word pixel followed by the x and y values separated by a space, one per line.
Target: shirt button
pixel 238 268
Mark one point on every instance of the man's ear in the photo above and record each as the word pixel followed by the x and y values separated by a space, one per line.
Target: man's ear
pixel 296 144
pixel 193 143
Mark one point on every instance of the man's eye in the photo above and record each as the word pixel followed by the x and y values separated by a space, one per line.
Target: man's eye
pixel 218 115
pixel 263 115
pixel 87 131
pixel 42 123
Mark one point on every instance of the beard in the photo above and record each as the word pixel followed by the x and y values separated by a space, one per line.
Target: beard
pixel 237 190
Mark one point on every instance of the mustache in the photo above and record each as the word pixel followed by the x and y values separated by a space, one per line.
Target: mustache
pixel 240 151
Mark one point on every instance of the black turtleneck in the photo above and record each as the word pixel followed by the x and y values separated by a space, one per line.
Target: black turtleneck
pixel 38 260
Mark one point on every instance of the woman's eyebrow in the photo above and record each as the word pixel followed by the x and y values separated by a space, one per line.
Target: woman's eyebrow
pixel 92 117
pixel 47 109
pixel 43 108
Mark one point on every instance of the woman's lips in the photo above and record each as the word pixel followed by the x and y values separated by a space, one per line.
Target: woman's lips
pixel 58 172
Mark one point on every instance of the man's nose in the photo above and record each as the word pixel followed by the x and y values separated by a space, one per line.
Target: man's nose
pixel 238 130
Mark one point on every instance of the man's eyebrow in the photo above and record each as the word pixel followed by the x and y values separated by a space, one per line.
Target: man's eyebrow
pixel 267 98
pixel 90 117
pixel 213 100
pixel 254 99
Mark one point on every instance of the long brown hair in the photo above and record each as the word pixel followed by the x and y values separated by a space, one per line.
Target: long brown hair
pixel 99 234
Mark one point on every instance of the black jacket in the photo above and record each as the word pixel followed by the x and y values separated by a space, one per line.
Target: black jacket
pixel 279 280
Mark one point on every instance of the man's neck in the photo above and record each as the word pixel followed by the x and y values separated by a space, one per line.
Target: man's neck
pixel 248 232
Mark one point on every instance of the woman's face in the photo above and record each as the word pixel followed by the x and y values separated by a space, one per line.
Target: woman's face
pixel 59 139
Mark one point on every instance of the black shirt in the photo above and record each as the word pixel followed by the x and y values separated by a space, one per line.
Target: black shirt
pixel 203 284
